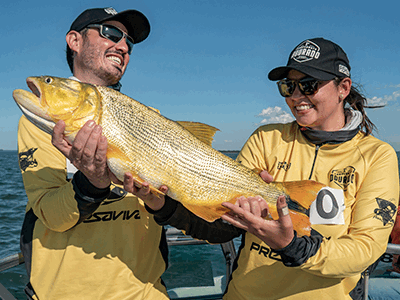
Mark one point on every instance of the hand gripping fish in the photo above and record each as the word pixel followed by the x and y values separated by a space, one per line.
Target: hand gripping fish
pixel 158 150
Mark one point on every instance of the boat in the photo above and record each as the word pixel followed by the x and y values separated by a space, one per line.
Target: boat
pixel 209 286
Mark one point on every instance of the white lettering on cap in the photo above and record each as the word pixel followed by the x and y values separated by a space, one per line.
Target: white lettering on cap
pixel 344 70
pixel 306 51
pixel 110 11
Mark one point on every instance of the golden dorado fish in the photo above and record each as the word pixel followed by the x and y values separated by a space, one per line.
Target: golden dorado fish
pixel 158 150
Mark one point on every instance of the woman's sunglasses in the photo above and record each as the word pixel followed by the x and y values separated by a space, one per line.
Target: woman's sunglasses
pixel 307 86
pixel 113 34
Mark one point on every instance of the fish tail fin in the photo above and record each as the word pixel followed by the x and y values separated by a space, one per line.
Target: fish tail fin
pixel 300 195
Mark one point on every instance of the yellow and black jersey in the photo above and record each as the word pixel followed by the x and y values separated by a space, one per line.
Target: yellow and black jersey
pixel 351 222
pixel 80 242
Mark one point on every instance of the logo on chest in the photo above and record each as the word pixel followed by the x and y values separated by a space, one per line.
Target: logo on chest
pixel 283 165
pixel 264 251
pixel 343 177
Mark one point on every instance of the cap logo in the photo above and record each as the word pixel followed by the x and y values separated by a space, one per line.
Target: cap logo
pixel 111 11
pixel 344 70
pixel 306 51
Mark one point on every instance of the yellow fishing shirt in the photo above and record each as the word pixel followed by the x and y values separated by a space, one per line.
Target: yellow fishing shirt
pixel 80 247
pixel 363 171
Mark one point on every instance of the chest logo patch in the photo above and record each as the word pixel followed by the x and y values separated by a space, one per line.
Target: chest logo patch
pixel 343 177
pixel 284 165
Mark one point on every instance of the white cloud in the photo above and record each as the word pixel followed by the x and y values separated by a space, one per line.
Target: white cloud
pixel 389 86
pixel 383 100
pixel 275 115
pixel 376 101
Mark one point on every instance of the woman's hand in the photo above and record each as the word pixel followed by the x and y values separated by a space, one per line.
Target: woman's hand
pixel 250 213
pixel 142 191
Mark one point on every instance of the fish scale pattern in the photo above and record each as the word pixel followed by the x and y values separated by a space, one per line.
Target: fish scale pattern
pixel 158 150
pixel 161 151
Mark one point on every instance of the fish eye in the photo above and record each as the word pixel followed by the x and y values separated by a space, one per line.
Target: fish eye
pixel 48 80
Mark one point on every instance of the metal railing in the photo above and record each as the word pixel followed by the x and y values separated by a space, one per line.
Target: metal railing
pixel 176 237
pixel 391 249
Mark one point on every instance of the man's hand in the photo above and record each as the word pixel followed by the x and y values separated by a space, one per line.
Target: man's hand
pixel 87 152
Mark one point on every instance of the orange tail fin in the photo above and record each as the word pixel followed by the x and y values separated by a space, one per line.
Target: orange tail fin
pixel 302 192
pixel 301 195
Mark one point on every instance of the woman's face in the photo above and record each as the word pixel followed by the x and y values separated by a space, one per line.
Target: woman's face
pixel 323 110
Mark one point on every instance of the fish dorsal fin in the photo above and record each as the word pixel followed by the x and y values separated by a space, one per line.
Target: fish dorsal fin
pixel 203 132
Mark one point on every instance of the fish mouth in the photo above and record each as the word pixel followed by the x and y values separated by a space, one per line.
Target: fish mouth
pixel 33 87
pixel 30 105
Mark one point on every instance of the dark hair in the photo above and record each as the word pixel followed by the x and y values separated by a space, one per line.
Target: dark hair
pixel 70 54
pixel 358 101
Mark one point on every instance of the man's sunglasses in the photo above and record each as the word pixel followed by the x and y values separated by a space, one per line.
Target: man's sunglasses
pixel 114 34
pixel 307 86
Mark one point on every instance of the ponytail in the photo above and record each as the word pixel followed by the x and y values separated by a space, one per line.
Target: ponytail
pixel 358 101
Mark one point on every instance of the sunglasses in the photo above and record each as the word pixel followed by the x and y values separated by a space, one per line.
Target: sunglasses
pixel 114 34
pixel 307 86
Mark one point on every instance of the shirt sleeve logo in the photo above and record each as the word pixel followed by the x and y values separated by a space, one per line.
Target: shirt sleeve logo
pixel 26 159
pixel 385 212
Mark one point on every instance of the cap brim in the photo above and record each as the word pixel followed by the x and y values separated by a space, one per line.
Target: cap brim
pixel 135 22
pixel 282 72
pixel 278 73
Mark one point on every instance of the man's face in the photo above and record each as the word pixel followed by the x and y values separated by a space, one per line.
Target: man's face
pixel 100 58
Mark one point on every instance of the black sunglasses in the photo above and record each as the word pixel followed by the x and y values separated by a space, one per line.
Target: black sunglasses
pixel 307 86
pixel 114 34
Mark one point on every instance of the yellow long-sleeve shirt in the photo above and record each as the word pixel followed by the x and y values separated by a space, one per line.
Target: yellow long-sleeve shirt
pixel 362 174
pixel 84 247
pixel 365 169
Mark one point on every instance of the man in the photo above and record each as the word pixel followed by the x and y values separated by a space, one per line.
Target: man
pixel 83 237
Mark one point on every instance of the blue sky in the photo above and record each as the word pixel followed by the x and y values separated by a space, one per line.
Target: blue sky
pixel 207 60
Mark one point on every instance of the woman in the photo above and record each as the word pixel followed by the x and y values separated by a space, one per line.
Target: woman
pixel 329 142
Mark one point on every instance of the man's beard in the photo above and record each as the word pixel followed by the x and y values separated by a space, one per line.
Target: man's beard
pixel 92 55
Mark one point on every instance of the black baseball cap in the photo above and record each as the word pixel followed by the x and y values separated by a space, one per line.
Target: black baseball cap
pixel 318 58
pixel 135 22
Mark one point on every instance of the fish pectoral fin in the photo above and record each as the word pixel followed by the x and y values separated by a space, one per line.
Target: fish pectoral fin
pixel 203 132
pixel 118 163
pixel 210 213
pixel 302 192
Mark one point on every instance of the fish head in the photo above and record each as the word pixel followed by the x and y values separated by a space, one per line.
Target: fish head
pixel 53 99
